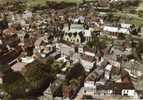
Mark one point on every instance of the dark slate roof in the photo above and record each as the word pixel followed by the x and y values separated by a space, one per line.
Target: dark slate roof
pixel 10 56
pixel 81 36
pixel 3 25
pixel 70 34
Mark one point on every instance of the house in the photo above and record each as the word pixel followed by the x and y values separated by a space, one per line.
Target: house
pixel 87 62
pixel 93 76
pixel 102 90
pixel 10 31
pixel 80 49
pixel 108 69
pixel 89 51
pixel 44 47
pixel 100 61
pixel 141 31
pixel 1 42
pixel 67 91
pixel 100 73
pixel 66 49
pixel 89 88
pixel 21 35
pixel 1 78
pixel 27 60
pixel 115 31
pixel 86 50
pixel 27 14
pixel 58 98
pixel 116 75
pixel 124 25
pixel 18 67
pixel 134 68
pixel 123 89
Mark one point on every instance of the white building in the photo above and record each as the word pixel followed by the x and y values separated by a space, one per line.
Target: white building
pixel 27 60
pixel 89 88
pixel 128 92
pixel 115 31
pixel 1 42
pixel 108 69
pixel 88 65
pixel 87 60
pixel 27 14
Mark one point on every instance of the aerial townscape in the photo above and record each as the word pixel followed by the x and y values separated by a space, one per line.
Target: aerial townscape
pixel 71 49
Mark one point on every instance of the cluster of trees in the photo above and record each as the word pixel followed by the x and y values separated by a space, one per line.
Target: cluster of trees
pixel 32 81
pixel 14 84
pixel 97 43
pixel 124 4
pixel 60 5
pixel 75 78
pixel 13 5
pixel 111 18
pixel 37 73
pixel 53 5
pixel 139 50
pixel 140 13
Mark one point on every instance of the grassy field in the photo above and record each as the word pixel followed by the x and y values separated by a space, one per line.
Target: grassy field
pixel 134 18
pixel 43 2
pixel 140 6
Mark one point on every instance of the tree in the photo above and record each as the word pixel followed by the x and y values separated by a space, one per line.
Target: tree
pixel 56 68
pixel 121 36
pixel 4 23
pixel 139 49
pixel 83 1
pixel 94 43
pixel 75 72
pixel 37 73
pixel 140 13
pixel 75 84
pixel 20 6
pixel 15 84
pixel 98 44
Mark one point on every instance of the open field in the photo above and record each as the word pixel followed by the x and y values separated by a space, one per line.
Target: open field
pixel 131 18
pixel 43 2
pixel 140 6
